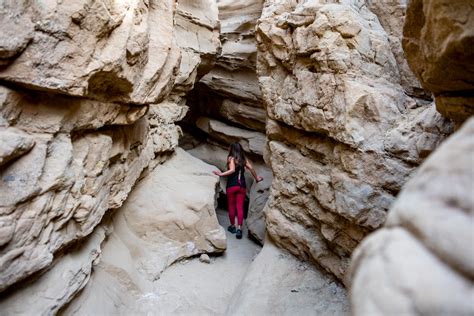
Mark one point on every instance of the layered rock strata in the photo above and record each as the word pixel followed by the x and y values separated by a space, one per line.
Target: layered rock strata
pixel 347 123
pixel 226 104
pixel 89 96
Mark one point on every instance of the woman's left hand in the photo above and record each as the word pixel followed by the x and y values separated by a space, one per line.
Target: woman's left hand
pixel 217 173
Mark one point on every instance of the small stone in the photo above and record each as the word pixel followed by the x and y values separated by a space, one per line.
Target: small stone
pixel 205 258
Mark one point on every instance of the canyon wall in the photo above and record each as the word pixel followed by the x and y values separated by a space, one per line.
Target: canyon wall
pixel 421 261
pixel 347 125
pixel 89 96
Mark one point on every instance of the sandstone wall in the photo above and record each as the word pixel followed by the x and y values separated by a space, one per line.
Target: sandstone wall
pixel 89 96
pixel 427 240
pixel 347 122
pixel 426 243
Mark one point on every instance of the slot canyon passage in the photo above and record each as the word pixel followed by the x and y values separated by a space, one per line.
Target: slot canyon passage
pixel 356 113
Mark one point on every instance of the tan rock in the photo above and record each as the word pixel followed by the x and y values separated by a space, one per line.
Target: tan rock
pixel 197 34
pixel 438 38
pixel 244 115
pixel 156 207
pixel 57 192
pixel 279 284
pixel 252 142
pixel 424 241
pixel 234 77
pixel 13 143
pixel 115 51
pixel 204 258
pixel 346 127
pixel 53 290
pixel 36 112
pixel 242 85
pixel 170 215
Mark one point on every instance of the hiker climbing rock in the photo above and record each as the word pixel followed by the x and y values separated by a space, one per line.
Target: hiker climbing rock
pixel 236 186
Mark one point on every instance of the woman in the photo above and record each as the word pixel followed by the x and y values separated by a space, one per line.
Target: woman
pixel 236 186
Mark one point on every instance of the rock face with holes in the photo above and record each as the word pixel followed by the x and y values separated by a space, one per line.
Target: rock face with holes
pixel 90 94
pixel 426 241
pixel 226 105
pixel 347 122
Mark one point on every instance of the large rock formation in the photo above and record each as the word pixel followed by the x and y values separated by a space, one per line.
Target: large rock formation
pixel 427 239
pixel 59 190
pixel 421 262
pixel 346 123
pixel 89 97
pixel 123 51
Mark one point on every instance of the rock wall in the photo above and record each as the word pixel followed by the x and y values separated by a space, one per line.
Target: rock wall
pixel 347 122
pixel 427 240
pixel 226 104
pixel 89 96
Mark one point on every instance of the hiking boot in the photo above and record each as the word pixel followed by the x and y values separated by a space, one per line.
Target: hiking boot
pixel 232 229
pixel 239 234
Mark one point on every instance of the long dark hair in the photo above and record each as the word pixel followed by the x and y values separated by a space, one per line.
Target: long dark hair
pixel 237 152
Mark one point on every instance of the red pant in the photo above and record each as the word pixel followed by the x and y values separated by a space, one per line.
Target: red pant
pixel 236 198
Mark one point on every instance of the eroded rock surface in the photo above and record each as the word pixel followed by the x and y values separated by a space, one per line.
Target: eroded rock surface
pixel 423 256
pixel 421 262
pixel 346 125
pixel 279 284
pixel 89 98
pixel 123 51
pixel 169 215
pixel 58 192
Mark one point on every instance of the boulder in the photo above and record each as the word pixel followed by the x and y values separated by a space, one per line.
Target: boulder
pixel 13 143
pixel 252 142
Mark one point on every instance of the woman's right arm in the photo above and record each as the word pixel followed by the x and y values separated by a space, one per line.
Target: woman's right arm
pixel 231 169
pixel 249 166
